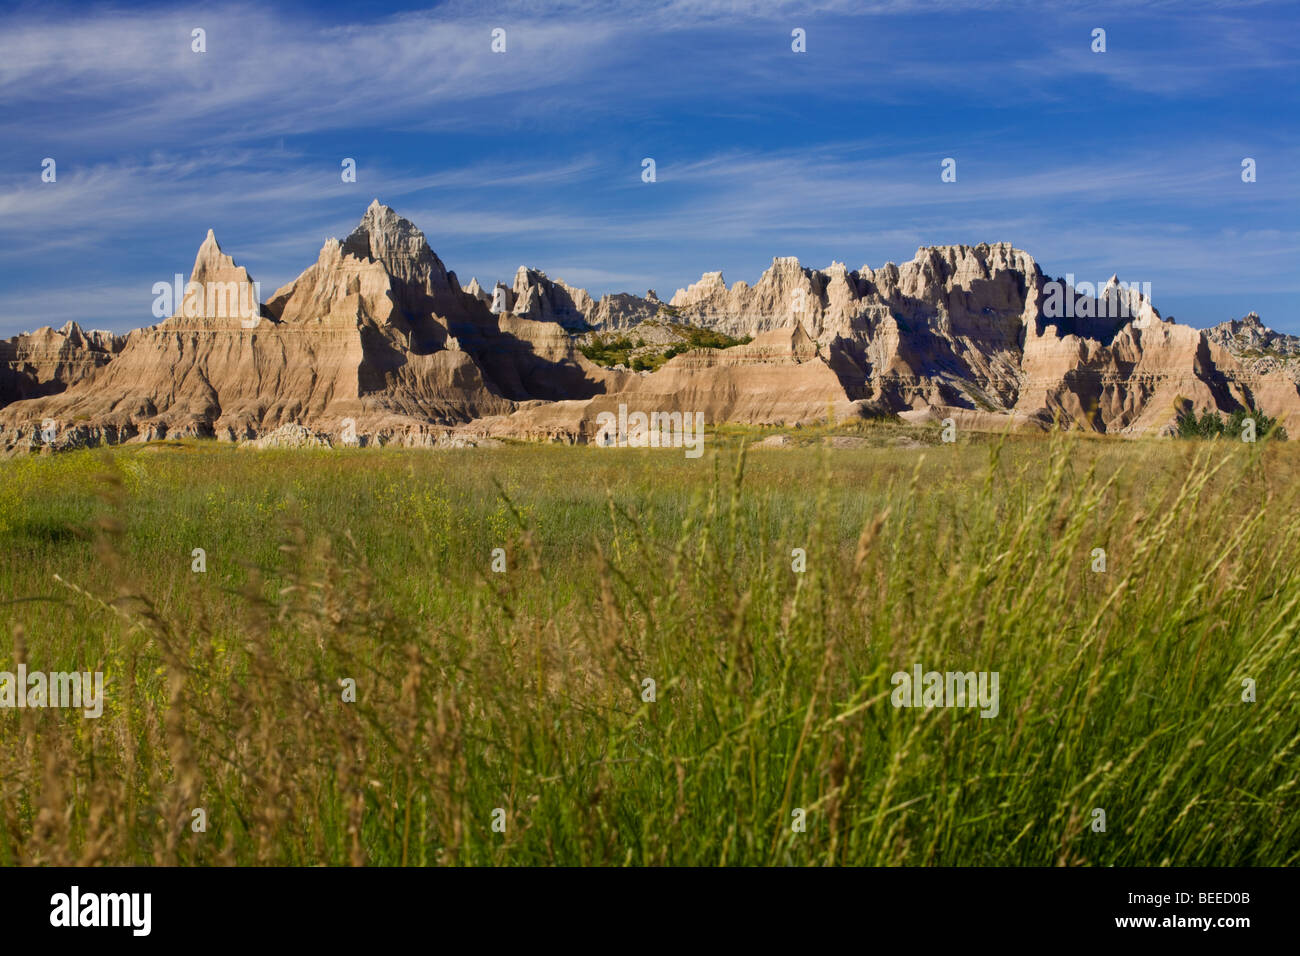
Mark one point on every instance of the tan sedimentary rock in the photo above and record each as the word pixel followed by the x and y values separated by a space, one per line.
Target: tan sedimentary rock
pixel 920 333
pixel 48 360
pixel 536 297
pixel 621 310
pixel 965 327
pixel 778 379
pixel 478 292
pixel 377 343
pixel 356 336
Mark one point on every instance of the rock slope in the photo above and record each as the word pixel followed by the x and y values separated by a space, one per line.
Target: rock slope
pixel 377 341
pixel 47 361
pixel 972 329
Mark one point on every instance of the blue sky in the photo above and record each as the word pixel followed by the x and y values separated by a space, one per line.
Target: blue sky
pixel 1126 162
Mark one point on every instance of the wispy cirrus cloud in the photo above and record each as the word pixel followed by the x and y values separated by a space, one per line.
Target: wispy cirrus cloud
pixel 1091 162
pixel 732 209
pixel 121 73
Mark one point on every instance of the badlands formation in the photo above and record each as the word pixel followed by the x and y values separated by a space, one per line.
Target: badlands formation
pixel 377 342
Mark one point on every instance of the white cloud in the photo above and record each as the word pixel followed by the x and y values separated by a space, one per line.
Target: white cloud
pixel 94 86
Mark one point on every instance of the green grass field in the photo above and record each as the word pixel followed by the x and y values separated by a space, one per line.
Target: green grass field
pixel 523 691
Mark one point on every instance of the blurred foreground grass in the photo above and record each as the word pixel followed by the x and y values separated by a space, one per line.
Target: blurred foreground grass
pixel 1120 690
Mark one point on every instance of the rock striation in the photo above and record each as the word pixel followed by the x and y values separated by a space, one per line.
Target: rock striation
pixel 969 332
pixel 377 342
pixel 534 296
pixel 47 361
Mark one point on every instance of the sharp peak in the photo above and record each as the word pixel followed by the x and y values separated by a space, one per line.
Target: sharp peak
pixel 385 218
pixel 212 256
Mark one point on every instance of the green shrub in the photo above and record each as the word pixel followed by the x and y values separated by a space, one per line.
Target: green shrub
pixel 1213 425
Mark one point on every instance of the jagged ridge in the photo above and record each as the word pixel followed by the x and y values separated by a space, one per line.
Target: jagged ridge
pixel 379 337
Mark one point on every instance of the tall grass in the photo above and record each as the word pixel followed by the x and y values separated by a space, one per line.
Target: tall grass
pixel 1120 690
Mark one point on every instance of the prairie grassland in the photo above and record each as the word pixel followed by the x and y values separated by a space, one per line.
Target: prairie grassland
pixel 1119 689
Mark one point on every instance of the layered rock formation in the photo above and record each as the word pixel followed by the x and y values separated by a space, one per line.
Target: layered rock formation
pixel 621 310
pixel 1249 335
pixel 478 292
pixel 47 361
pixel 980 334
pixel 362 340
pixel 377 342
pixel 1258 348
pixel 780 378
pixel 534 296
